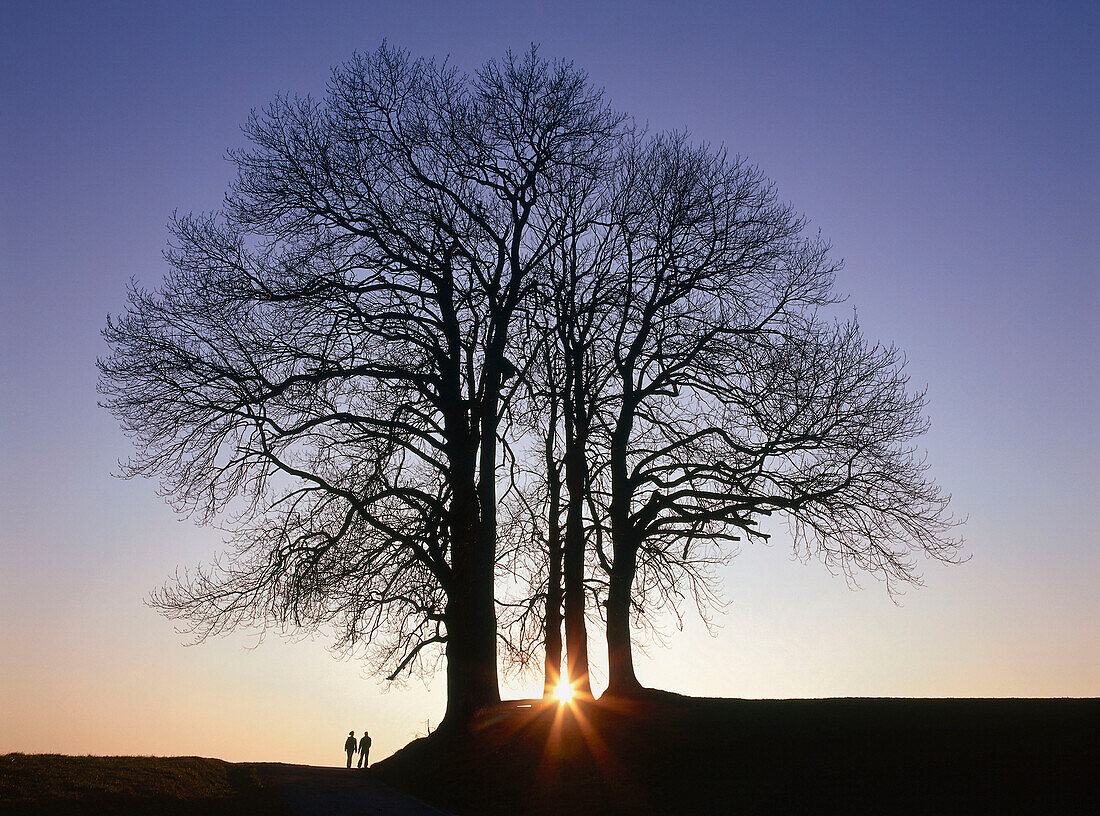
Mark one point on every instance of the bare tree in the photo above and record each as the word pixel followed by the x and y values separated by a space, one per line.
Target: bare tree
pixel 424 269
pixel 727 398
pixel 332 356
pixel 699 391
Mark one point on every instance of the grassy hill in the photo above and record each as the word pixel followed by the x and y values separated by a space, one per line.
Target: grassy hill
pixel 669 754
pixel 53 785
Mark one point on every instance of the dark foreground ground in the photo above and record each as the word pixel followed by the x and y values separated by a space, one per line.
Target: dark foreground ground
pixel 662 755
pixel 52 785
pixel 672 755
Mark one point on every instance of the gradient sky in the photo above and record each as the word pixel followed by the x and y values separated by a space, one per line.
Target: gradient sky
pixel 949 151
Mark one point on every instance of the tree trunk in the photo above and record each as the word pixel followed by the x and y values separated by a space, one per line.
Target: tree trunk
pixel 576 631
pixel 471 626
pixel 624 546
pixel 552 669
pixel 471 667
pixel 553 621
pixel 621 680
pixel 471 607
pixel 485 553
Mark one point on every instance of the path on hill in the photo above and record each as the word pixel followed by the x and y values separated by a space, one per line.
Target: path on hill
pixel 314 791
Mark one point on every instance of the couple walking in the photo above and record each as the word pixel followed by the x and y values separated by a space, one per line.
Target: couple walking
pixel 364 748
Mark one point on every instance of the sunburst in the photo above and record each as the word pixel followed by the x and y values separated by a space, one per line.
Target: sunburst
pixel 563 691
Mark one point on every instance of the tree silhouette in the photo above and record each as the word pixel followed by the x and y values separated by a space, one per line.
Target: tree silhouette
pixel 728 398
pixel 334 352
pixel 426 285
pixel 700 391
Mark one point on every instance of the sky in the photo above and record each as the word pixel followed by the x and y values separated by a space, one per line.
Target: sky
pixel 949 152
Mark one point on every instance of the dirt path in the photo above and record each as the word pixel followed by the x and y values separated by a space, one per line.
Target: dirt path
pixel 313 791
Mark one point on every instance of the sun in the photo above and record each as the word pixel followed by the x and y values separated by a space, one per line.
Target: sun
pixel 564 691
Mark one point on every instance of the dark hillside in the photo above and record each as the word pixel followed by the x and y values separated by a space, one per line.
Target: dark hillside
pixel 673 754
pixel 53 785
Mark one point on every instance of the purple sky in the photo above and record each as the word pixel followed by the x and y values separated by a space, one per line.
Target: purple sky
pixel 949 151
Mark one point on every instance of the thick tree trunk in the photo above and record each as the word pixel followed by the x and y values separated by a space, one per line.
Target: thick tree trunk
pixel 621 679
pixel 471 627
pixel 471 607
pixel 471 667
pixel 624 547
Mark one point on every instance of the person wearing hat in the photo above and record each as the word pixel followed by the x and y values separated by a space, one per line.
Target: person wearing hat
pixel 349 746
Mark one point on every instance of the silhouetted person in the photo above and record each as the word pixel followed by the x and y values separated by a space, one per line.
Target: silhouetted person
pixel 349 746
pixel 364 749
